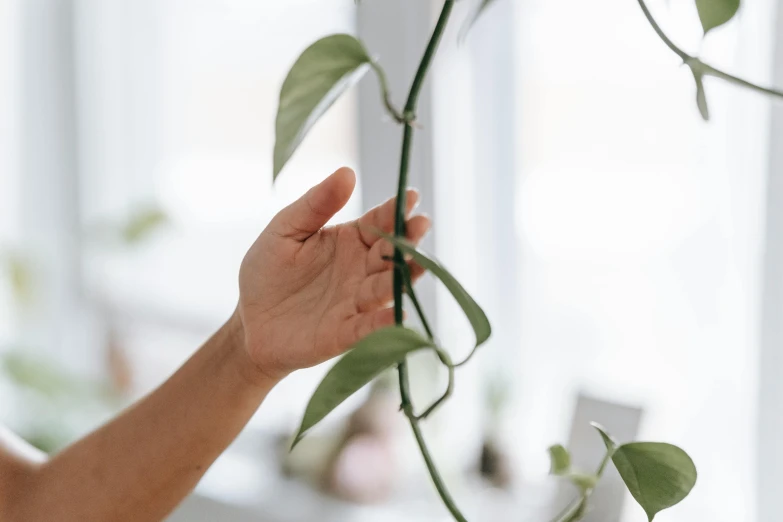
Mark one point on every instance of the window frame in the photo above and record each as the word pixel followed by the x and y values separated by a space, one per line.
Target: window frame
pixel 769 461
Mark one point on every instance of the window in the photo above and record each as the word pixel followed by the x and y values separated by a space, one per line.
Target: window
pixel 635 231
pixel 178 101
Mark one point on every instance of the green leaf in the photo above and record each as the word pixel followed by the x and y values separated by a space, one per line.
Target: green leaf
pixel 478 319
pixel 366 360
pixel 657 474
pixel 473 18
pixel 321 74
pixel 714 13
pixel 609 441
pixel 560 460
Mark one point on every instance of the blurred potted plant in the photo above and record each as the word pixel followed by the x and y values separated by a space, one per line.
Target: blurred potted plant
pixel 494 461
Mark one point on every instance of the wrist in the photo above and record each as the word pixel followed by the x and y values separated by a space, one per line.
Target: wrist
pixel 249 371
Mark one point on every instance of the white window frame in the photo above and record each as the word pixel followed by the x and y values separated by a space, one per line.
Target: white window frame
pixel 770 421
pixel 49 219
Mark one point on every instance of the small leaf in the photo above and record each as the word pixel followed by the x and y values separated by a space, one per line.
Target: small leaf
pixel 560 460
pixel 657 474
pixel 701 95
pixel 366 360
pixel 478 319
pixel 473 18
pixel 321 74
pixel 609 441
pixel 714 13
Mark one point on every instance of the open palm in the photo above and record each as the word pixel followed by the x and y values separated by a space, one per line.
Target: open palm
pixel 308 292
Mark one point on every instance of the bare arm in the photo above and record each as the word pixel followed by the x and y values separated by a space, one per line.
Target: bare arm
pixel 306 294
pixel 141 465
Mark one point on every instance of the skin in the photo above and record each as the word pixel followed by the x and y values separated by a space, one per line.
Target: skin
pixel 307 293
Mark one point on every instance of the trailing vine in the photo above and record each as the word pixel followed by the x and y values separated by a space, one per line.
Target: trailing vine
pixel 658 475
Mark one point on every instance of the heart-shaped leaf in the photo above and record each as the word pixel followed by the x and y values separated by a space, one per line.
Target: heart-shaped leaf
pixel 366 360
pixel 714 13
pixel 478 319
pixel 609 441
pixel 657 474
pixel 321 74
pixel 559 459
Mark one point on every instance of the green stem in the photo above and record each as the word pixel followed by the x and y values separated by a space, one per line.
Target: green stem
pixel 467 359
pixel 578 508
pixel 446 394
pixel 573 511
pixel 399 221
pixel 676 50
pixel 442 355
pixel 696 63
pixel 600 471
pixel 417 305
pixel 436 479
pixel 429 53
pixel 386 94
pixel 409 115
pixel 712 71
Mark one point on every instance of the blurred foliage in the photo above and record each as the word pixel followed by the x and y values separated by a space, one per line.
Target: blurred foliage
pixel 54 401
pixel 49 440
pixel 35 374
pixel 18 270
pixel 143 224
pixel 133 229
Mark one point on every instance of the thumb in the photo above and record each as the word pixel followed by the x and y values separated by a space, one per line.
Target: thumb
pixel 305 216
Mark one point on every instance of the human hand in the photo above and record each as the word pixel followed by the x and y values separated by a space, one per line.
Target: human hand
pixel 308 292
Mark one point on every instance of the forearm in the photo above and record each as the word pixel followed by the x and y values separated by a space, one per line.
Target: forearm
pixel 141 465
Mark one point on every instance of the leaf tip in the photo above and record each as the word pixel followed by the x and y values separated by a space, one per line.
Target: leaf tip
pixel 715 13
pixel 296 441
pixel 609 441
pixel 278 165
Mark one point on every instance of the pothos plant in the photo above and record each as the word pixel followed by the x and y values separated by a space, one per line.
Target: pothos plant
pixel 658 475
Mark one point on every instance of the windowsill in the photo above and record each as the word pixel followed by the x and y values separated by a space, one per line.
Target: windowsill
pixel 244 486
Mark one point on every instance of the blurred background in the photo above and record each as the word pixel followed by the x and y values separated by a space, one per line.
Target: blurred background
pixel 627 252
